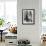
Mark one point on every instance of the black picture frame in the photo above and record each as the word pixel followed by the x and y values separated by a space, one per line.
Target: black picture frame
pixel 28 16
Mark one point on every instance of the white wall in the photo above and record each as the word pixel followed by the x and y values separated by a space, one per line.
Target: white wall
pixel 31 32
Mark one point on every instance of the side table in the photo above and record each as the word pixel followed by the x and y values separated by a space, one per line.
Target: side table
pixel 1 34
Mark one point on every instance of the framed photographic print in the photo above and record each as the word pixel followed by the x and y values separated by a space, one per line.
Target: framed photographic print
pixel 28 16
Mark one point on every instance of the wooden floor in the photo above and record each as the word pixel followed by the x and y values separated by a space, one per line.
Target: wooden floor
pixel 2 43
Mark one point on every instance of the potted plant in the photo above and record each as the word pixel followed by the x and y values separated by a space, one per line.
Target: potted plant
pixel 1 22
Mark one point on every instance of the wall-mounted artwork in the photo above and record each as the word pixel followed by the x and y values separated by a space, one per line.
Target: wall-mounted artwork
pixel 28 16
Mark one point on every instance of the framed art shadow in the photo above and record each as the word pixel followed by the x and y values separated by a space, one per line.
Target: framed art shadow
pixel 28 16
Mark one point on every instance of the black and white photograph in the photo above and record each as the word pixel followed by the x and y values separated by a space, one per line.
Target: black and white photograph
pixel 28 16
